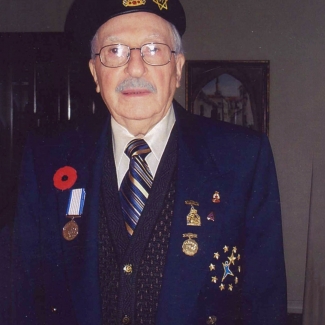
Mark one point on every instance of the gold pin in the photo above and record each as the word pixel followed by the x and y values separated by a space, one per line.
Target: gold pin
pixel 190 246
pixel 133 3
pixel 216 255
pixel 191 202
pixel 216 197
pixel 70 230
pixel 193 219
pixel 162 4
pixel 212 267
pixel 232 259
pixel 214 279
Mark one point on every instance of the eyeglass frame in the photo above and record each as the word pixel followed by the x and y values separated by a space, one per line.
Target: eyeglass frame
pixel 135 48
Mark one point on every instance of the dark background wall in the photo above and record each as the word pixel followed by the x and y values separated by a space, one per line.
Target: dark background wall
pixel 288 33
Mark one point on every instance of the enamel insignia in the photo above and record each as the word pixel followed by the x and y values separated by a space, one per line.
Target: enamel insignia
pixel 190 246
pixel 210 216
pixel 162 4
pixel 226 267
pixel 133 3
pixel 216 197
pixel 74 210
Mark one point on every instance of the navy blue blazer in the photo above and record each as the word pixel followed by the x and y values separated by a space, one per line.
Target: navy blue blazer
pixel 238 270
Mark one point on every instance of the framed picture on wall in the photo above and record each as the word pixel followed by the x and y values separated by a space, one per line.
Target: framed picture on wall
pixel 232 91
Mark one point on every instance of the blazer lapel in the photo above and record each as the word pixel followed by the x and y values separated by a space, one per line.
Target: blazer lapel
pixel 198 178
pixel 81 254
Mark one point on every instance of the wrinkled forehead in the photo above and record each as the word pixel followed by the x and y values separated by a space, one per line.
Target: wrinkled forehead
pixel 139 27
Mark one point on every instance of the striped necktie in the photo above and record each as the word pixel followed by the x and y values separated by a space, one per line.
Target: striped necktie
pixel 134 190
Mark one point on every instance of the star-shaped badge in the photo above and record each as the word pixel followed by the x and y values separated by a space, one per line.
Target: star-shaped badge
pixel 212 267
pixel 216 255
pixel 232 259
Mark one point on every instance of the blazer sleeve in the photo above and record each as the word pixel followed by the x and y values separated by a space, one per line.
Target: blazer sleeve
pixel 264 287
pixel 26 247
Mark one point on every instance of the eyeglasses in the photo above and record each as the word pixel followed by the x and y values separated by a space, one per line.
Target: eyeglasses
pixel 116 55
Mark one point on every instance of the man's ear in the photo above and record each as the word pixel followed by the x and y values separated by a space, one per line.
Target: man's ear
pixel 180 61
pixel 92 69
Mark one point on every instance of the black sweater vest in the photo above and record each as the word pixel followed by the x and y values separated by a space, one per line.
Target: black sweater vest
pixel 131 269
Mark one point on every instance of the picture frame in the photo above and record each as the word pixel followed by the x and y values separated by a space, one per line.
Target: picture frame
pixel 230 91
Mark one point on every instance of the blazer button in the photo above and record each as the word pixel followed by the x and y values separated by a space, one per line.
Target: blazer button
pixel 212 320
pixel 126 320
pixel 54 310
pixel 128 269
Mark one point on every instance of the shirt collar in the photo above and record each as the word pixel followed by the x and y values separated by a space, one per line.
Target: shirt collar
pixel 156 138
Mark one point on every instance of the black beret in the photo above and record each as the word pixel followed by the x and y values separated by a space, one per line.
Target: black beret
pixel 86 16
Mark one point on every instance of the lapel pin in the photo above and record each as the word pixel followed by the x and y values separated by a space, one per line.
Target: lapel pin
pixel 216 255
pixel 212 267
pixel 227 271
pixel 216 197
pixel 210 216
pixel 214 279
pixel 190 246
pixel 74 210
pixel 193 219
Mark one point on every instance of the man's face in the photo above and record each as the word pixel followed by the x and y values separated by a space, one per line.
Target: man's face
pixel 137 108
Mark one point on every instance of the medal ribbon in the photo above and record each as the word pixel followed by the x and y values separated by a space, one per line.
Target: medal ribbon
pixel 76 202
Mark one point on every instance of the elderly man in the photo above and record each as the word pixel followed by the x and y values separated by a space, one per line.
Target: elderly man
pixel 153 215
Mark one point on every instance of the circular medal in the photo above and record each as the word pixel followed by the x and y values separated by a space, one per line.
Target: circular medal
pixel 190 247
pixel 70 230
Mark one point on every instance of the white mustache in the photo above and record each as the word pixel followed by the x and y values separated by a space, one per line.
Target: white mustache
pixel 135 83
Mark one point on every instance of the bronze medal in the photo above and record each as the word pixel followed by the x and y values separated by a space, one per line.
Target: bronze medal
pixel 70 230
pixel 190 246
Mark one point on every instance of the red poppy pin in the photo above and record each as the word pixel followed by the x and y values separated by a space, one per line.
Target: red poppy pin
pixel 64 178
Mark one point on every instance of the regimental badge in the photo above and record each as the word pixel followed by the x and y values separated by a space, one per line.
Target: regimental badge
pixel 190 246
pixel 193 219
pixel 133 3
pixel 227 268
pixel 74 210
pixel 162 4
pixel 216 197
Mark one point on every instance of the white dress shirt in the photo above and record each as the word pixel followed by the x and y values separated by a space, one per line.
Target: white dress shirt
pixel 156 138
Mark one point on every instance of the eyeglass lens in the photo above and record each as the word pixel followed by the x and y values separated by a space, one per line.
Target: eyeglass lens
pixel 116 55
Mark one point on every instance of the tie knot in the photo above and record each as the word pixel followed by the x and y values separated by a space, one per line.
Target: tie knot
pixel 137 147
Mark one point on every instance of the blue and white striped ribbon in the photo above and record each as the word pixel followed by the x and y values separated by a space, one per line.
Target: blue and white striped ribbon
pixel 76 202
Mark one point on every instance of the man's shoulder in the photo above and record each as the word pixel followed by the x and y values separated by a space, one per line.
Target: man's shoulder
pixel 68 133
pixel 210 130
